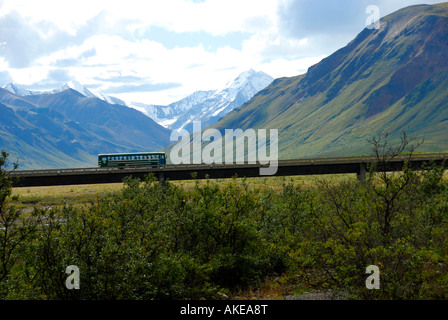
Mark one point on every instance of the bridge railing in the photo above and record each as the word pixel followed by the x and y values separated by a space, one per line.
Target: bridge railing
pixel 358 165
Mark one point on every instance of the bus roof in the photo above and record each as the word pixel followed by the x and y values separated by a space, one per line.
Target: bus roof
pixel 130 154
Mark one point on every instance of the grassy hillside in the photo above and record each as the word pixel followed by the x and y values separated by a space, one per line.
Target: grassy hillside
pixel 385 80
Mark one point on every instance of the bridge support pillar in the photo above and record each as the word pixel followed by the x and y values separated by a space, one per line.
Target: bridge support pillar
pixel 362 174
pixel 161 177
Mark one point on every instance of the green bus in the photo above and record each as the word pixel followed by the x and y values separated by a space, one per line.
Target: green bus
pixel 132 159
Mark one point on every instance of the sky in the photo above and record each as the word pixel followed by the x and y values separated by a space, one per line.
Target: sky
pixel 159 51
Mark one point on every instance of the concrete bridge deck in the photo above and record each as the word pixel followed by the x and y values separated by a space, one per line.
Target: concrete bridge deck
pixel 358 165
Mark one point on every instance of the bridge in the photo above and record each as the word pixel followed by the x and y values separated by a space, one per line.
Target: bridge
pixel 358 165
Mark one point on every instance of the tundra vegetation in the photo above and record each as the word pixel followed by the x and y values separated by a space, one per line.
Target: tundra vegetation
pixel 161 241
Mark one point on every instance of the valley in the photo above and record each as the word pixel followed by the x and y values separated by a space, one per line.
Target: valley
pixel 195 230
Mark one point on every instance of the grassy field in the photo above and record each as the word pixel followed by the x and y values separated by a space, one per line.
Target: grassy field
pixel 26 198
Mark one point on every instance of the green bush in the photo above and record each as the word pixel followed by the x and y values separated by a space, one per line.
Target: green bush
pixel 396 224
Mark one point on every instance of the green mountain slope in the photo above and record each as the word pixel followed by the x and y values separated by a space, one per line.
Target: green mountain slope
pixel 386 80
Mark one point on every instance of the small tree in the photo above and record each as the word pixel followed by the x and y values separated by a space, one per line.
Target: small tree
pixel 385 153
pixel 14 230
pixel 6 181
pixel 391 187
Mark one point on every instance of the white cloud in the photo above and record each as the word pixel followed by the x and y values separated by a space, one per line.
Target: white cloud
pixel 116 55
pixel 102 43
pixel 215 17
pixel 194 67
pixel 66 15
pixel 30 75
pixel 288 68
pixel 3 64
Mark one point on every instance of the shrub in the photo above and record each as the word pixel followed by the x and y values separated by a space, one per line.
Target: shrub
pixel 158 241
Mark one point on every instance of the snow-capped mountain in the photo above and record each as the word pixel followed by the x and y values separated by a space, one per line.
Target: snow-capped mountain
pixel 75 85
pixel 19 90
pixel 167 115
pixel 207 106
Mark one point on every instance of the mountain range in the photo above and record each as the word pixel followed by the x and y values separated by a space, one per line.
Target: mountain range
pixel 70 125
pixel 207 106
pixel 386 80
pixel 20 90
pixel 66 129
